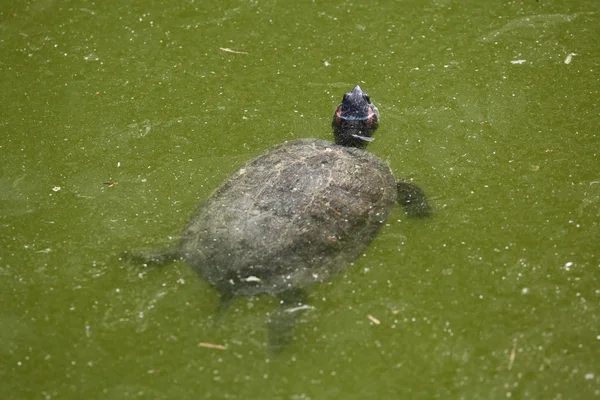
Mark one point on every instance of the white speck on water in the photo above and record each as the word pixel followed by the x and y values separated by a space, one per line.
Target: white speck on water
pixel 56 188
pixel 589 376
pixel 568 266
pixel 252 279
pixel 118 164
pixel 118 290
pixel 518 61
pixel 569 58
pixel 524 290
pixel 181 281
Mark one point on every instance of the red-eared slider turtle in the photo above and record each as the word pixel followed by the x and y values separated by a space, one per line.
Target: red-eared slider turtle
pixel 296 215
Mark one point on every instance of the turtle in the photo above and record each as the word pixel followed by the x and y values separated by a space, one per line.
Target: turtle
pixel 295 216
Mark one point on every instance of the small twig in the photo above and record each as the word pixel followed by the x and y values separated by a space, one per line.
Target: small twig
pixel 511 359
pixel 228 50
pixel 211 346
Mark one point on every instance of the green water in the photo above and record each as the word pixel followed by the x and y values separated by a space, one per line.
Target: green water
pixel 495 296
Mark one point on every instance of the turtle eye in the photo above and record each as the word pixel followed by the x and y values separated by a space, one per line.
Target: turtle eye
pixel 345 97
pixel 368 98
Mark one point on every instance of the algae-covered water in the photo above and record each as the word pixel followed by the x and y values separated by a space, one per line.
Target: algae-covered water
pixel 117 120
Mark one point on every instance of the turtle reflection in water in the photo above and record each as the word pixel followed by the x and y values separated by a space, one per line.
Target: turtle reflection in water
pixel 294 216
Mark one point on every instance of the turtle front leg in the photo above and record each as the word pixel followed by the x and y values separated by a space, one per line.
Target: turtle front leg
pixel 292 304
pixel 413 199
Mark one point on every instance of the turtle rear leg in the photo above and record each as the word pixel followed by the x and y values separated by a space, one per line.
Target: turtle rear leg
pixel 293 303
pixel 413 199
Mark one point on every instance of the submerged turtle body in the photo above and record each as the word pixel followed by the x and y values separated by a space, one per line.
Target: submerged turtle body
pixel 295 215
pixel 292 217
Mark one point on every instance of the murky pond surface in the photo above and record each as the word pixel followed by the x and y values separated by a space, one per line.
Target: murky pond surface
pixel 117 120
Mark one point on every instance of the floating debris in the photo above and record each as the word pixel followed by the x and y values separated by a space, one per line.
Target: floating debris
pixel 518 61
pixel 569 58
pixel 299 308
pixel 511 359
pixel 373 319
pixel 228 50
pixel 568 266
pixel 211 346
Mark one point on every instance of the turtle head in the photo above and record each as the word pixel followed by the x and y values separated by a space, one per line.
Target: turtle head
pixel 355 120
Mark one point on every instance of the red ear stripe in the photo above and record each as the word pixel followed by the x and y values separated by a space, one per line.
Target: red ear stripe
pixel 370 119
pixel 338 115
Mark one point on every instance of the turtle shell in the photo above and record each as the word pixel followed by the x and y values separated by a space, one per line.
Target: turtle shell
pixel 294 216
